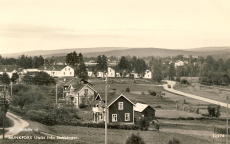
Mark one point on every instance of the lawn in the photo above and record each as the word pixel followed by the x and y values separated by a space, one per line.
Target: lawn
pixel 96 135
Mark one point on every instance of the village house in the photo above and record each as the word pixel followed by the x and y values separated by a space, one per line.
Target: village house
pixel 111 72
pixel 148 74
pixel 120 110
pixel 79 94
pixel 145 111
pixel 9 69
pixel 179 63
pixel 59 71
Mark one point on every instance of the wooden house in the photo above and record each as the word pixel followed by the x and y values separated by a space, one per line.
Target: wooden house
pixel 144 110
pixel 120 110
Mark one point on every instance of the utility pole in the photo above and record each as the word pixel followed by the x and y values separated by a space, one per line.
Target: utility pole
pixel 56 94
pixel 11 87
pixel 227 123
pixel 4 110
pixel 106 116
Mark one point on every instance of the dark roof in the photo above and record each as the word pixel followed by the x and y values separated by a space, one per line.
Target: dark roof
pixel 7 68
pixel 113 98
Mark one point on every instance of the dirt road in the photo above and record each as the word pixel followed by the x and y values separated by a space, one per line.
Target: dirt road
pixel 172 83
pixel 18 126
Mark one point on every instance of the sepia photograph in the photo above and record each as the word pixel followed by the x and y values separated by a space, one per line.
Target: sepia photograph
pixel 114 71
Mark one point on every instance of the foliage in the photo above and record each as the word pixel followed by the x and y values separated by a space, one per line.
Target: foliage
pixel 82 106
pixel 127 90
pixel 184 81
pixel 5 79
pixel 14 77
pixel 153 93
pixel 28 79
pixel 143 124
pixel 43 78
pixel 102 63
pixel 19 87
pixel 220 130
pixel 8 122
pixel 72 59
pixel 174 141
pixel 124 65
pixel 26 98
pixel 171 72
pixel 81 71
pixel 135 139
pixel 214 110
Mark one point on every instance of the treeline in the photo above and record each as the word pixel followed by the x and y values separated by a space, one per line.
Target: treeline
pixel 23 61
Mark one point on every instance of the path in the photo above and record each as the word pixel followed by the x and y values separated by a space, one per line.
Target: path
pixel 172 83
pixel 18 125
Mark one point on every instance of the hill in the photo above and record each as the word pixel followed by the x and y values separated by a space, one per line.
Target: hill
pixel 122 51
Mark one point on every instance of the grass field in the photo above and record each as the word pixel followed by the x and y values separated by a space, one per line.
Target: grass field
pixel 96 135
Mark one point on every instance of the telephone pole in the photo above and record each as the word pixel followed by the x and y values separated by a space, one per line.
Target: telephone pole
pixel 106 108
pixel 227 123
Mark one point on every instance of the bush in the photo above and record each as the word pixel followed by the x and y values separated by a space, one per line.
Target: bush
pixel 82 106
pixel 34 115
pixel 214 111
pixel 153 93
pixel 143 124
pixel 135 139
pixel 178 79
pixel 174 141
pixel 143 93
pixel 184 81
pixel 17 110
pixel 127 90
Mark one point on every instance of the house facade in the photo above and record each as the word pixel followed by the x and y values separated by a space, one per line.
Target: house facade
pixel 78 94
pixel 144 110
pixel 120 110
pixel 60 71
pixel 148 74
pixel 111 72
pixel 179 63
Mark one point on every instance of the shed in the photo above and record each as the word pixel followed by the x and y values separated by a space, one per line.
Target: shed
pixel 144 110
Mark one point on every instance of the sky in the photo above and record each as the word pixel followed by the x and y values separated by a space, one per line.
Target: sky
pixel 27 25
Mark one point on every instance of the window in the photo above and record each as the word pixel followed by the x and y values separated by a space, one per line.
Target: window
pixel 70 73
pixel 120 106
pixel 69 69
pixel 114 117
pixel 127 116
pixel 86 91
pixel 65 69
pixel 64 73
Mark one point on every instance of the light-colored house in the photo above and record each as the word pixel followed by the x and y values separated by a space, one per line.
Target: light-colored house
pixel 78 94
pixel 179 63
pixel 111 72
pixel 59 71
pixel 91 74
pixel 100 74
pixel 148 74
pixel 9 69
pixel 118 74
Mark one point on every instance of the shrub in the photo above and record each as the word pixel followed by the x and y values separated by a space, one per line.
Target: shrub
pixel 214 111
pixel 38 116
pixel 178 79
pixel 135 139
pixel 127 90
pixel 143 124
pixel 17 110
pixel 184 81
pixel 153 93
pixel 143 93
pixel 174 141
pixel 82 106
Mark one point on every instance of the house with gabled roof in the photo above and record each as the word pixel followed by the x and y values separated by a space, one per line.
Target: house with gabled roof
pixel 58 70
pixel 79 93
pixel 148 74
pixel 144 110
pixel 9 69
pixel 120 110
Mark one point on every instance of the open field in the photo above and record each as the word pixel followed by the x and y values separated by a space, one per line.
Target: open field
pixel 96 135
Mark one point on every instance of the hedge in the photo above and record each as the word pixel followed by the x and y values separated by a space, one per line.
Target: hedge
pixel 102 125
pixel 17 110
pixel 219 130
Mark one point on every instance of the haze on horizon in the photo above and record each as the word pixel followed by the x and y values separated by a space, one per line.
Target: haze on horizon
pixel 27 25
